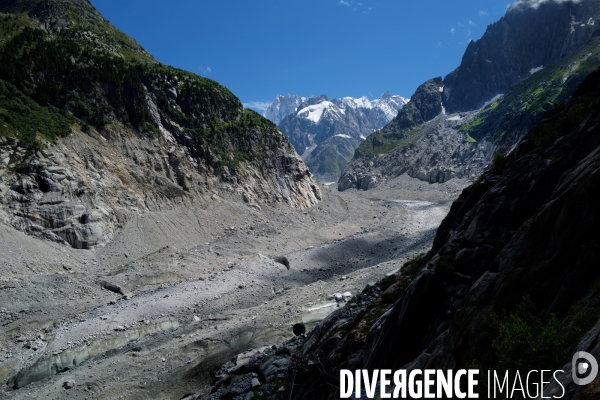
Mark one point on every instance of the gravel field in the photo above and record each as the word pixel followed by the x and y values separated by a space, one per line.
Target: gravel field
pixel 176 293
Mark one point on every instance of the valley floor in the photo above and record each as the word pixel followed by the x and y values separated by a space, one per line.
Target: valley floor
pixel 175 294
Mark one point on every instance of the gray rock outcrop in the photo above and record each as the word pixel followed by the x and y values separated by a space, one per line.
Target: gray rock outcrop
pixel 84 147
pixel 84 188
pixel 438 153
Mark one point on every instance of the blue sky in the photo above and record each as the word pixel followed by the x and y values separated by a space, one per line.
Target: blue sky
pixel 261 48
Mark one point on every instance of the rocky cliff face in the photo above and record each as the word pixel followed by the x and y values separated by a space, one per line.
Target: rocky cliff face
pixel 535 56
pixel 83 189
pixel 94 131
pixel 326 133
pixel 283 106
pixel 523 232
pixel 514 262
pixel 424 106
pixel 531 35
pixel 421 141
pixel 435 153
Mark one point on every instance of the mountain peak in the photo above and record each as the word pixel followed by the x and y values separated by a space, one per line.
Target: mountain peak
pixel 498 60
pixel 80 21
pixel 70 11
pixel 326 133
pixel 282 106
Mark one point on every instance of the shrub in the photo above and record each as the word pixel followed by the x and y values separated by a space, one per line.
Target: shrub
pixel 523 340
pixel 500 162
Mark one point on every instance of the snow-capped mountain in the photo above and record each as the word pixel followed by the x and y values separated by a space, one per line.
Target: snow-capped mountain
pixel 283 106
pixel 326 133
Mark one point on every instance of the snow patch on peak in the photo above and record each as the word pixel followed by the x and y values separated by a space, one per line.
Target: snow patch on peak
pixel 536 69
pixel 362 102
pixel 344 136
pixel 490 101
pixel 315 112
pixel 390 105
pixel 382 110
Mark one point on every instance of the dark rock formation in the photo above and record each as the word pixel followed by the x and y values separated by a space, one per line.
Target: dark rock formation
pixel 424 106
pixel 299 329
pixel 527 37
pixel 521 241
pixel 524 231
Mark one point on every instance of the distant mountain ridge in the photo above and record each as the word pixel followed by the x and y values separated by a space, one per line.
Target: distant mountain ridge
pixel 326 132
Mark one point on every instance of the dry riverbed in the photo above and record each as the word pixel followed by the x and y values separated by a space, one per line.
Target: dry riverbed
pixel 177 293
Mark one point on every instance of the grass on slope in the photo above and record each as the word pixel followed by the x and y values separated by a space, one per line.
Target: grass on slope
pixel 51 78
pixel 519 109
pixel 25 120
pixel 529 100
pixel 331 156
pixel 388 139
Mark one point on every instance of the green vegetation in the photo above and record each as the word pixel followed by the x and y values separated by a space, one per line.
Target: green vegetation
pixel 523 106
pixel 527 339
pixel 559 121
pixel 257 396
pixel 235 141
pixel 562 120
pixel 393 287
pixel 87 70
pixel 333 164
pixel 527 102
pixel 499 162
pixel 522 340
pixel 331 156
pixel 81 18
pixel 412 267
pixel 387 281
pixel 22 118
pixel 374 314
pixel 387 139
pixel 584 314
pixel 93 85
